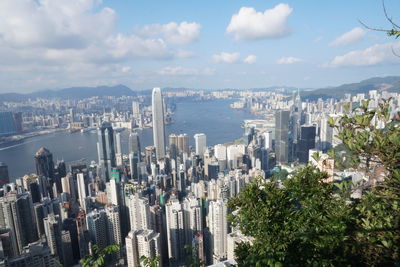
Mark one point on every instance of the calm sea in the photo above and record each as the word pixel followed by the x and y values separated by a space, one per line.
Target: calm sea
pixel 215 118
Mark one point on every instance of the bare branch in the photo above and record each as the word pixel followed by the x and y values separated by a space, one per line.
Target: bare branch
pixel 389 18
pixel 373 29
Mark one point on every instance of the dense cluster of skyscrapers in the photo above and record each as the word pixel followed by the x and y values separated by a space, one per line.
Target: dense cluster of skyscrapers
pixel 166 201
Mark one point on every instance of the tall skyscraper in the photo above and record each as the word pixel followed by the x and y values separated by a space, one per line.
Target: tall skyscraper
pixel 7 126
pixel 218 226
pixel 45 166
pixel 134 144
pixel 175 229
pixel 97 226
pixel 267 139
pixel 4 177
pixel 81 190
pixel 81 227
pixel 18 121
pixel 39 213
pixel 139 212
pixel 71 115
pixel 282 136
pixel 221 156
pixel 16 213
pixel 158 123
pixel 193 218
pixel 183 144
pixel 135 110
pixel 52 228
pixel 113 225
pixel 118 143
pixel 141 243
pixel 306 142
pixel 106 149
pixel 173 146
pixel 200 141
pixel 134 155
pixel 325 134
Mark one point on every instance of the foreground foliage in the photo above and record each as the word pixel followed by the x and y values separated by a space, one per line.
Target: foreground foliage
pixel 98 257
pixel 309 222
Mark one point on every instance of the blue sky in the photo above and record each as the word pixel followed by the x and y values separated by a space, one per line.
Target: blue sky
pixel 195 44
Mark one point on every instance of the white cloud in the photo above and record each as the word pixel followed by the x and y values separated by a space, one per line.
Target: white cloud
pixel 53 24
pixel 73 42
pixel 289 60
pixel 250 59
pixel 350 37
pixel 182 71
pixel 76 31
pixel 376 54
pixel 224 57
pixel 177 71
pixel 249 24
pixel 182 34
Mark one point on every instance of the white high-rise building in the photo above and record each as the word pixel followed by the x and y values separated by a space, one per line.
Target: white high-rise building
pixel 158 123
pixel 135 110
pixel 175 229
pixel 112 192
pixel 267 139
pixel 183 144
pixel 97 226
pixel 218 226
pixel 233 240
pixel 200 140
pixel 220 155
pixel 118 153
pixel 234 153
pixel 52 229
pixel 118 143
pixel 81 190
pixel 141 243
pixel 193 218
pixel 113 225
pixel 139 212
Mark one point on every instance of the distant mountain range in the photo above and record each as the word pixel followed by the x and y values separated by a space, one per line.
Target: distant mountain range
pixel 72 93
pixel 390 84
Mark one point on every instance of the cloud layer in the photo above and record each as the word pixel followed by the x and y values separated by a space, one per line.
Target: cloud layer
pixel 182 34
pixel 351 37
pixel 225 57
pixel 55 38
pixel 249 24
pixel 374 55
pixel 81 31
pixel 250 59
pixel 289 60
pixel 182 71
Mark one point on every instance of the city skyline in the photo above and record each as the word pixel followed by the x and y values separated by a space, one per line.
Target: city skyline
pixel 192 45
pixel 178 196
pixel 241 153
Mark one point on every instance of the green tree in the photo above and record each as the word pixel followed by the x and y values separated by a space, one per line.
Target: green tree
pixel 150 262
pixel 192 259
pixel 373 137
pixel 309 222
pixel 98 257
pixel 301 223
pixel 281 175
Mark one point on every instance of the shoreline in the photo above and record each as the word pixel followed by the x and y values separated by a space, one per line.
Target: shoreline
pixel 18 139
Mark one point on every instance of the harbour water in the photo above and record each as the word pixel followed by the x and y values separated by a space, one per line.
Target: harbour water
pixel 215 118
